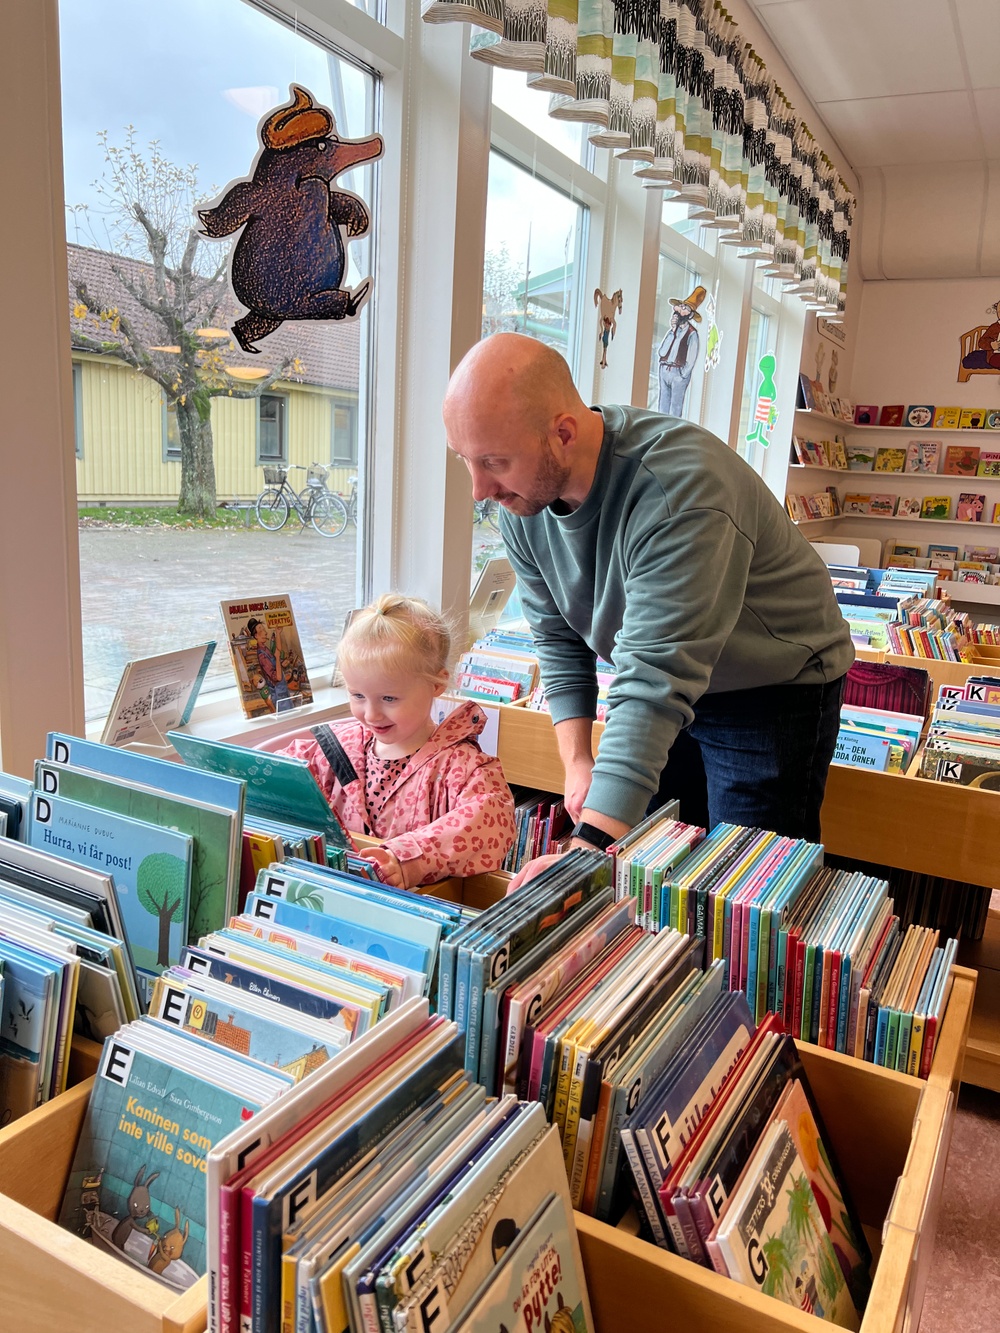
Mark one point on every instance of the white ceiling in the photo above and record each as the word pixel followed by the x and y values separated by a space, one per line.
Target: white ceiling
pixel 909 90
pixel 898 82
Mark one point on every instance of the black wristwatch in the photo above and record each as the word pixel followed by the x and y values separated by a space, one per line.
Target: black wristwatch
pixel 595 836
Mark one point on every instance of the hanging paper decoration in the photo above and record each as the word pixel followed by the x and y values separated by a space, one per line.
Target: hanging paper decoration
pixel 765 414
pixel 607 325
pixel 713 338
pixel 290 260
pixel 678 352
pixel 673 86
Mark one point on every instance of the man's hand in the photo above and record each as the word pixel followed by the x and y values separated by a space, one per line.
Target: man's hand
pixel 531 869
pixel 578 776
pixel 388 867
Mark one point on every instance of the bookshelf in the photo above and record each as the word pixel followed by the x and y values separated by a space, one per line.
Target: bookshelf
pixel 889 1132
pixel 879 817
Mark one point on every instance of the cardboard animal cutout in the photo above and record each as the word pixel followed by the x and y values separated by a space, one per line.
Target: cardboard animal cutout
pixel 290 260
pixel 607 325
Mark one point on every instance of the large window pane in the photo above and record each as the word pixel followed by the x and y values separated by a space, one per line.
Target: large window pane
pixel 530 108
pixel 677 359
pixel 161 375
pixel 535 248
pixel 757 346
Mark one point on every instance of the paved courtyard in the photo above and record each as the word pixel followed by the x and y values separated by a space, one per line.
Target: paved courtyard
pixel 151 590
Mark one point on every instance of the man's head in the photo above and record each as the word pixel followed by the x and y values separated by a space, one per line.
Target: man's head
pixel 513 415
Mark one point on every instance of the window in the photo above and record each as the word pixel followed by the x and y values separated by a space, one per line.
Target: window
pixel 171 434
pixel 757 346
pixel 535 239
pixel 78 408
pixel 344 446
pixel 529 107
pixel 198 79
pixel 272 442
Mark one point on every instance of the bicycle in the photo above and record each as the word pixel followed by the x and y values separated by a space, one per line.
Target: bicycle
pixel 486 511
pixel 314 503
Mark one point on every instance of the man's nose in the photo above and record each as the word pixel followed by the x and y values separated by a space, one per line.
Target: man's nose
pixel 483 486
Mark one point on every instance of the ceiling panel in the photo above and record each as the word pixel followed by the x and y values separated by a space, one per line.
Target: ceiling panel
pixel 979 24
pixel 885 131
pixel 845 49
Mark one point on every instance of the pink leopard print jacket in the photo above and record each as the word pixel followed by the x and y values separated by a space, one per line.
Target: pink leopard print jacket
pixel 449 812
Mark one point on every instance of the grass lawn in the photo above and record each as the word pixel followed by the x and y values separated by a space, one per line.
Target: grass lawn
pixel 157 516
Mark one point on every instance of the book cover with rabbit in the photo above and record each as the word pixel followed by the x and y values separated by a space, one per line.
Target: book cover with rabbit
pixel 137 1187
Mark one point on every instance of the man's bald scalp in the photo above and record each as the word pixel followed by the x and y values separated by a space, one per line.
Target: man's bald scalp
pixel 517 375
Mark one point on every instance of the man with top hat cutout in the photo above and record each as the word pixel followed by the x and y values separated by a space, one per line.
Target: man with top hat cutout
pixel 679 353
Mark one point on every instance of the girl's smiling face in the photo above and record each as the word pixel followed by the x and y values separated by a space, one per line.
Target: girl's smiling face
pixel 395 705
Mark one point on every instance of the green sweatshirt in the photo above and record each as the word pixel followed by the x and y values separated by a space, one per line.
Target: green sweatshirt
pixel 682 569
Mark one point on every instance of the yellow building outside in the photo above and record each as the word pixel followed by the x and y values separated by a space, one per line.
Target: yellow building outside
pixel 127 450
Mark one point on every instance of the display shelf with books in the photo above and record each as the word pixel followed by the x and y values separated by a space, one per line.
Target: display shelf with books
pixel 886 1129
pixel 813 415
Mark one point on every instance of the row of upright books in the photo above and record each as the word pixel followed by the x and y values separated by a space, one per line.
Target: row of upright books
pixel 968 507
pixel 963 738
pixel 502 666
pixel 924 416
pixel 921 458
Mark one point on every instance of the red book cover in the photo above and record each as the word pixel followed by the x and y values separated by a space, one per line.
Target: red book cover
pixel 833 1008
pixel 892 416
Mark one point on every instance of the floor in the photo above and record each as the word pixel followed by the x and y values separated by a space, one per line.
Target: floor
pixel 963 1291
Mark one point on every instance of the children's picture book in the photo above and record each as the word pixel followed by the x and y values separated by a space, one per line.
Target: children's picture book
pixel 919 415
pixel 772 1237
pixel 960 460
pixel 892 416
pixel 996 514
pixel 908 506
pixel 938 552
pixel 988 554
pixel 923 456
pixel 277 786
pixel 898 550
pixel 857 504
pixel 156 694
pixel 151 868
pixel 538 1284
pixel 836 453
pixel 883 505
pixel 992 421
pixel 860 457
pixel 822 399
pixel 865 414
pixel 845 410
pixel 935 506
pixel 888 459
pixel 807 398
pixel 972 418
pixel 266 654
pixel 989 463
pixel 970 507
pixel 947 418
pixel 137 1185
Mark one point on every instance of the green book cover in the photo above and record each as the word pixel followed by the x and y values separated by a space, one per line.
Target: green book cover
pixel 278 787
pixel 137 1185
pixel 214 873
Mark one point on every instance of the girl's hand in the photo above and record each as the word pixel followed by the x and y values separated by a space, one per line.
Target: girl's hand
pixel 532 869
pixel 388 867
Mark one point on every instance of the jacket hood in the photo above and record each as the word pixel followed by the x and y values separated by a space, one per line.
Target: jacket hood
pixel 464 723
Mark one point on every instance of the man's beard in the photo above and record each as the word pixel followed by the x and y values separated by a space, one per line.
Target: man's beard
pixel 546 487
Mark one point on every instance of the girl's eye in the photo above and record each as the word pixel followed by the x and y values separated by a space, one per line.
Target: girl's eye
pixel 388 698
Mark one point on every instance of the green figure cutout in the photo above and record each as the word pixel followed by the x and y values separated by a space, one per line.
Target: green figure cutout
pixel 766 414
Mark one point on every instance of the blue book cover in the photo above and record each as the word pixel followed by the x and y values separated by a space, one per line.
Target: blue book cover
pixel 151 867
pixel 137 1185
pixel 222 1019
pixel 256 981
pixel 369 904
pixel 341 930
pixel 29 990
pixel 131 766
pixel 861 749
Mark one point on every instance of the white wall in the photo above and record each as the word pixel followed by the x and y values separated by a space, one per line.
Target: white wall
pixel 907 348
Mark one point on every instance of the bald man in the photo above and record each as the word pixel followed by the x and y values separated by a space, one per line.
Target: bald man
pixel 645 540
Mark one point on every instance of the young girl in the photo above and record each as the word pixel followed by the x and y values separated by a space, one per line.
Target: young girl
pixel 439 805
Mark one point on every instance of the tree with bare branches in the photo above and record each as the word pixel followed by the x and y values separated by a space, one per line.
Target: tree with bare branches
pixel 162 299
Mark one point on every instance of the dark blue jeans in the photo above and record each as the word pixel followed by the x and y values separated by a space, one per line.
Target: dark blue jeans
pixel 756 757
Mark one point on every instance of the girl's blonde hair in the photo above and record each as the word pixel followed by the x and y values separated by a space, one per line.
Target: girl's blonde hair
pixel 397 633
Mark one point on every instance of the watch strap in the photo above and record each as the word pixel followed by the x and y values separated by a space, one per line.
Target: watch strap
pixel 597 837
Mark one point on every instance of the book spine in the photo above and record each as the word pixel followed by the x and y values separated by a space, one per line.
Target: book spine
pixel 845 1006
pixel 798 970
pixel 930 1038
pixel 599 1149
pixel 579 1060
pixel 645 1192
pixel 817 994
pixel 263 1295
pixel 808 969
pixel 833 1002
pixel 764 964
pixel 892 1039
pixel 488 1073
pixel 462 988
pixel 288 1272
pixel 478 965
pixel 692 1240
pixel 229 1260
pixel 246 1262
pixel 881 1027
pixel 446 978
pixel 612 1161
pixel 903 1043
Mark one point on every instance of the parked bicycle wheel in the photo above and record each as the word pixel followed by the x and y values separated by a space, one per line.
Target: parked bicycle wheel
pixel 492 514
pixel 272 510
pixel 329 515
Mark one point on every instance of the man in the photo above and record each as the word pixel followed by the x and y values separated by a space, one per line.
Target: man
pixel 678 353
pixel 646 540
